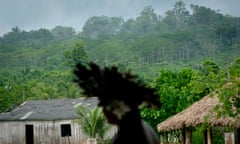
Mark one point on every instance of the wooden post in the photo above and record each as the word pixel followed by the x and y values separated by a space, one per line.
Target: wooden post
pixel 238 136
pixel 209 136
pixel 188 136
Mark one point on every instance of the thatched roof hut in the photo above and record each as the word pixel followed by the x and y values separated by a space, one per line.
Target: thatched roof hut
pixel 203 112
pixel 200 112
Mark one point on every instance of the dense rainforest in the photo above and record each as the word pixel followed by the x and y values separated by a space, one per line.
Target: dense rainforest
pixel 184 54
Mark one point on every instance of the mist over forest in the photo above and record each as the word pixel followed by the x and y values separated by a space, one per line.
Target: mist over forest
pixel 194 50
pixel 180 36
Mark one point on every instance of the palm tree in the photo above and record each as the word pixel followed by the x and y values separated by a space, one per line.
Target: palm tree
pixel 92 121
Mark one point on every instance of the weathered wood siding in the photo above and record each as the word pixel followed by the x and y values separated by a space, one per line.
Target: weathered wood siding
pixel 45 132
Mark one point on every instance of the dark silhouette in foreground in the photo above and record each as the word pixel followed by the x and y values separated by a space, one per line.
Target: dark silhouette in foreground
pixel 120 95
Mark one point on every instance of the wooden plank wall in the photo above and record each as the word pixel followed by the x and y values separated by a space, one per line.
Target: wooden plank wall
pixel 45 132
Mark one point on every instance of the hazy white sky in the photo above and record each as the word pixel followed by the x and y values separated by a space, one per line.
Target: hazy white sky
pixel 35 14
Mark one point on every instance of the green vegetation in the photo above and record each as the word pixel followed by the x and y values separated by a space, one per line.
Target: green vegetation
pixel 183 55
pixel 93 122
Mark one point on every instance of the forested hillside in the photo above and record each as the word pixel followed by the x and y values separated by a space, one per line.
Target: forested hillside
pixel 194 51
pixel 179 37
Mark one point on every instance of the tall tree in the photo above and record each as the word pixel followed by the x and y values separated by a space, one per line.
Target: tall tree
pixel 229 94
pixel 75 55
pixel 177 18
pixel 147 21
pixel 102 26
pixel 63 33
pixel 176 92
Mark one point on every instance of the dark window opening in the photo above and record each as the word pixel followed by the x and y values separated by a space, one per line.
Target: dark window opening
pixel 65 130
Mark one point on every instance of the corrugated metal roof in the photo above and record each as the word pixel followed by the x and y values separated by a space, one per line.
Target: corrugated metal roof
pixel 58 109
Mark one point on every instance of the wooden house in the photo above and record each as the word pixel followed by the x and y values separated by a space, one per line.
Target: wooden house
pixel 43 122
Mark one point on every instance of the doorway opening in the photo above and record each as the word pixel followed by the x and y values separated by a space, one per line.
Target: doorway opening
pixel 29 134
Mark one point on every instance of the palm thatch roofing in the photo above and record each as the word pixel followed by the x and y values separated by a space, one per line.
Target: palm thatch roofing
pixel 200 112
